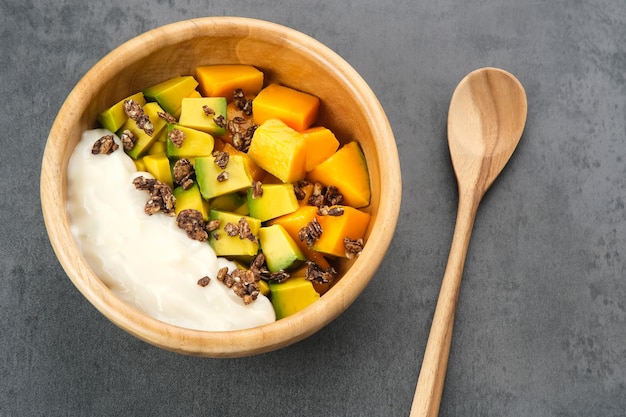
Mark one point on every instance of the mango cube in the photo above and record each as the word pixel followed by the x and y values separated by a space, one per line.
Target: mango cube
pixel 279 150
pixel 222 80
pixel 296 109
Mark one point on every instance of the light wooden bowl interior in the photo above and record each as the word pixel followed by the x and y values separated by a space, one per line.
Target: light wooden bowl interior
pixel 286 56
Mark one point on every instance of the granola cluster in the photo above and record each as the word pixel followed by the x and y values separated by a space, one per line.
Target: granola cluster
pixel 161 196
pixel 184 173
pixel 134 111
pixel 105 145
pixel 245 283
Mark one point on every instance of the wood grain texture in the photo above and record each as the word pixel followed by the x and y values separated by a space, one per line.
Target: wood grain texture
pixel 286 56
pixel 485 122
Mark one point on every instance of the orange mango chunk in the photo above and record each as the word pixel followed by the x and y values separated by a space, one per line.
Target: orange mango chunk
pixel 347 170
pixel 351 224
pixel 321 143
pixel 296 109
pixel 279 150
pixel 222 80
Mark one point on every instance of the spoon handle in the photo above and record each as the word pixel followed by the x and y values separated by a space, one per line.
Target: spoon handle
pixel 431 378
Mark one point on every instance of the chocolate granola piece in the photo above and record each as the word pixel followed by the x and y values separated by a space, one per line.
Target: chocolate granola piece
pixel 353 247
pixel 257 189
pixel 311 232
pixel 183 173
pixel 161 196
pixel 316 273
pixel 204 281
pixel 192 222
pixel 133 109
pixel 221 158
pixel 177 137
pixel 244 283
pixel 208 111
pixel 167 117
pixel 298 189
pixel 231 229
pixel 332 196
pixel 105 145
pixel 330 211
pixel 128 140
pixel 244 230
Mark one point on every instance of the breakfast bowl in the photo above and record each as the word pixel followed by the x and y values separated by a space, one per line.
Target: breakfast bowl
pixel 286 57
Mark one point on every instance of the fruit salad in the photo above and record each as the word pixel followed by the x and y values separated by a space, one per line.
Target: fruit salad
pixel 214 201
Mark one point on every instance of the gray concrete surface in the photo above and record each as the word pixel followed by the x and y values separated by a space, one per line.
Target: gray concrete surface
pixel 541 323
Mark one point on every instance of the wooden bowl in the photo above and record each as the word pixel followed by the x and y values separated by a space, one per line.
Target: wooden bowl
pixel 286 56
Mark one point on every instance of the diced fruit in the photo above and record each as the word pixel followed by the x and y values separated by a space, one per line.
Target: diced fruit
pixel 321 143
pixel 280 250
pixel 159 166
pixel 191 199
pixel 233 202
pixel 222 80
pixel 240 122
pixel 256 172
pixel 143 141
pixel 195 144
pixel 195 93
pixel 276 200
pixel 201 113
pixel 158 147
pixel 320 288
pixel 307 192
pixel 226 245
pixel 169 94
pixel 346 170
pixel 114 117
pixel 292 223
pixel 264 288
pixel 295 108
pixel 292 296
pixel 139 164
pixel 215 181
pixel 279 150
pixel 351 224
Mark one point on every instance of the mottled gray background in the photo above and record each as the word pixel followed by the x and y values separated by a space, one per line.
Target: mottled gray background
pixel 541 324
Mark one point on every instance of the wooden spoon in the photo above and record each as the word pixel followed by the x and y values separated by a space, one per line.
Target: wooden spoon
pixel 485 123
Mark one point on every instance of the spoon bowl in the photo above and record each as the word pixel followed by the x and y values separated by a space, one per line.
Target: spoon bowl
pixel 485 123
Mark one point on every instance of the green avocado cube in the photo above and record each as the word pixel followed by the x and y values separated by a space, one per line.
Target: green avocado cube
pixel 191 199
pixel 276 200
pixel 201 113
pixel 224 240
pixel 114 117
pixel 291 296
pixel 280 250
pixel 169 94
pixel 143 141
pixel 233 202
pixel 215 181
pixel 195 144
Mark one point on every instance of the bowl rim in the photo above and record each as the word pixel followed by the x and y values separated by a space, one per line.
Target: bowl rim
pixel 235 343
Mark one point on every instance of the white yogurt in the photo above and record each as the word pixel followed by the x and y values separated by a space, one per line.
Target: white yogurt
pixel 148 261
